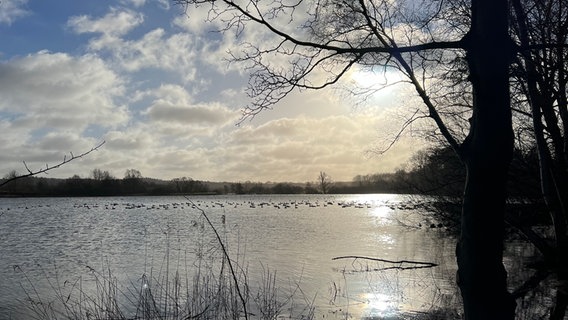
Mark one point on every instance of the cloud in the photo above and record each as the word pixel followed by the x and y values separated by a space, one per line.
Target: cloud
pixel 292 149
pixel 135 3
pixel 157 50
pixel 11 10
pixel 130 140
pixel 164 4
pixel 61 92
pixel 173 113
pixel 198 115
pixel 116 23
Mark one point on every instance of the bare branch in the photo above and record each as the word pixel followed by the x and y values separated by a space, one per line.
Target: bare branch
pixel 48 167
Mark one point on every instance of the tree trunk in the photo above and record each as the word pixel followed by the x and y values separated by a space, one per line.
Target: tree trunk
pixel 487 153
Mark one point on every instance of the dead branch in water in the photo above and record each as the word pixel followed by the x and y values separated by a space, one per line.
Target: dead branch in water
pixel 398 265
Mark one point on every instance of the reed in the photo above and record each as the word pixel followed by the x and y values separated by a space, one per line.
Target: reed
pixel 208 284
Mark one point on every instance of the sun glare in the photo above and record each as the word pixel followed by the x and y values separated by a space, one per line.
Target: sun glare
pixel 380 78
pixel 381 211
pixel 379 305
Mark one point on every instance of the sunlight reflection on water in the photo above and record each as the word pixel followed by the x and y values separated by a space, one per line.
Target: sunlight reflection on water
pixel 296 235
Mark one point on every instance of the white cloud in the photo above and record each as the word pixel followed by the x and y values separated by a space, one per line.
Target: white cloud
pixel 164 4
pixel 173 112
pixel 11 10
pixel 154 50
pixel 55 90
pixel 117 22
pixel 130 140
pixel 135 3
pixel 157 50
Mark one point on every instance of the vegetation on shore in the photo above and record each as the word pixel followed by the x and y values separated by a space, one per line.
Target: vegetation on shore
pixel 436 171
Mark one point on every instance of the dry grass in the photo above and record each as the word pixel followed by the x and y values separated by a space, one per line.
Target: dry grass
pixel 209 284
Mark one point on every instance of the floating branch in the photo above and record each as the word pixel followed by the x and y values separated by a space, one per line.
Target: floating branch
pixel 48 167
pixel 398 265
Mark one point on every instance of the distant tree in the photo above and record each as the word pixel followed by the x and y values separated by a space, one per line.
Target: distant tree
pixel 183 184
pixel 257 188
pixel 132 182
pixel 324 182
pixel 310 189
pixel 132 174
pixel 11 176
pixel 75 186
pixel 101 175
pixel 286 188
pixel 237 188
pixel 188 185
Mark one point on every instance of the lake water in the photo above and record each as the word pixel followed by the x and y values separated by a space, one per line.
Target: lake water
pixel 50 244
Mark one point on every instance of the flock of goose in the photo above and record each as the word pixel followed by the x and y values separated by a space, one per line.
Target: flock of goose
pixel 226 204
pixel 203 204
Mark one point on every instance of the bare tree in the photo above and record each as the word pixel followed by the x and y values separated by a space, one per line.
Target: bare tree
pixel 541 82
pixel 101 175
pixel 313 44
pixel 132 174
pixel 324 182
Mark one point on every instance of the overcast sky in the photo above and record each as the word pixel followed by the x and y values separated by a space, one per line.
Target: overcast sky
pixel 154 84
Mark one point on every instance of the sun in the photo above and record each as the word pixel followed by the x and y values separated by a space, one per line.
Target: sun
pixel 375 78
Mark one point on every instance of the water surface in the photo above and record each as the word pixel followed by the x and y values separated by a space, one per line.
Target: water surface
pixel 296 236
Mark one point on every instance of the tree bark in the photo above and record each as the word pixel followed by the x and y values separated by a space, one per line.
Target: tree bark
pixel 487 154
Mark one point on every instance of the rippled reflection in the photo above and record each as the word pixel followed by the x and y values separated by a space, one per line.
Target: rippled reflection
pixel 298 236
pixel 379 305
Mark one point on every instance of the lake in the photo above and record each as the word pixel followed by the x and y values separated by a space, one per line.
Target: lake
pixel 51 244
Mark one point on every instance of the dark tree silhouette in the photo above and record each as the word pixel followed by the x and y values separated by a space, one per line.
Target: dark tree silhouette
pixel 324 182
pixel 132 174
pixel 313 44
pixel 542 79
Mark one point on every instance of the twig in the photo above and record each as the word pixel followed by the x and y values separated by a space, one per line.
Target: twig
pixel 48 167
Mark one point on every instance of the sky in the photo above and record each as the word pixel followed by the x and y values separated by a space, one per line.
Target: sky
pixel 154 84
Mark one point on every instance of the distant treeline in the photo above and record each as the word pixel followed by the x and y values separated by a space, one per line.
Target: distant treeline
pixel 435 172
pixel 41 186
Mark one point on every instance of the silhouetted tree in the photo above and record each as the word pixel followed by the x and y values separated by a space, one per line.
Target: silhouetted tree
pixel 237 188
pixel 316 43
pixel 310 189
pixel 324 182
pixel 188 185
pixel 101 175
pixel 132 174
pixel 132 182
pixel 542 83
pixel 286 188
pixel 11 176
pixel 436 171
